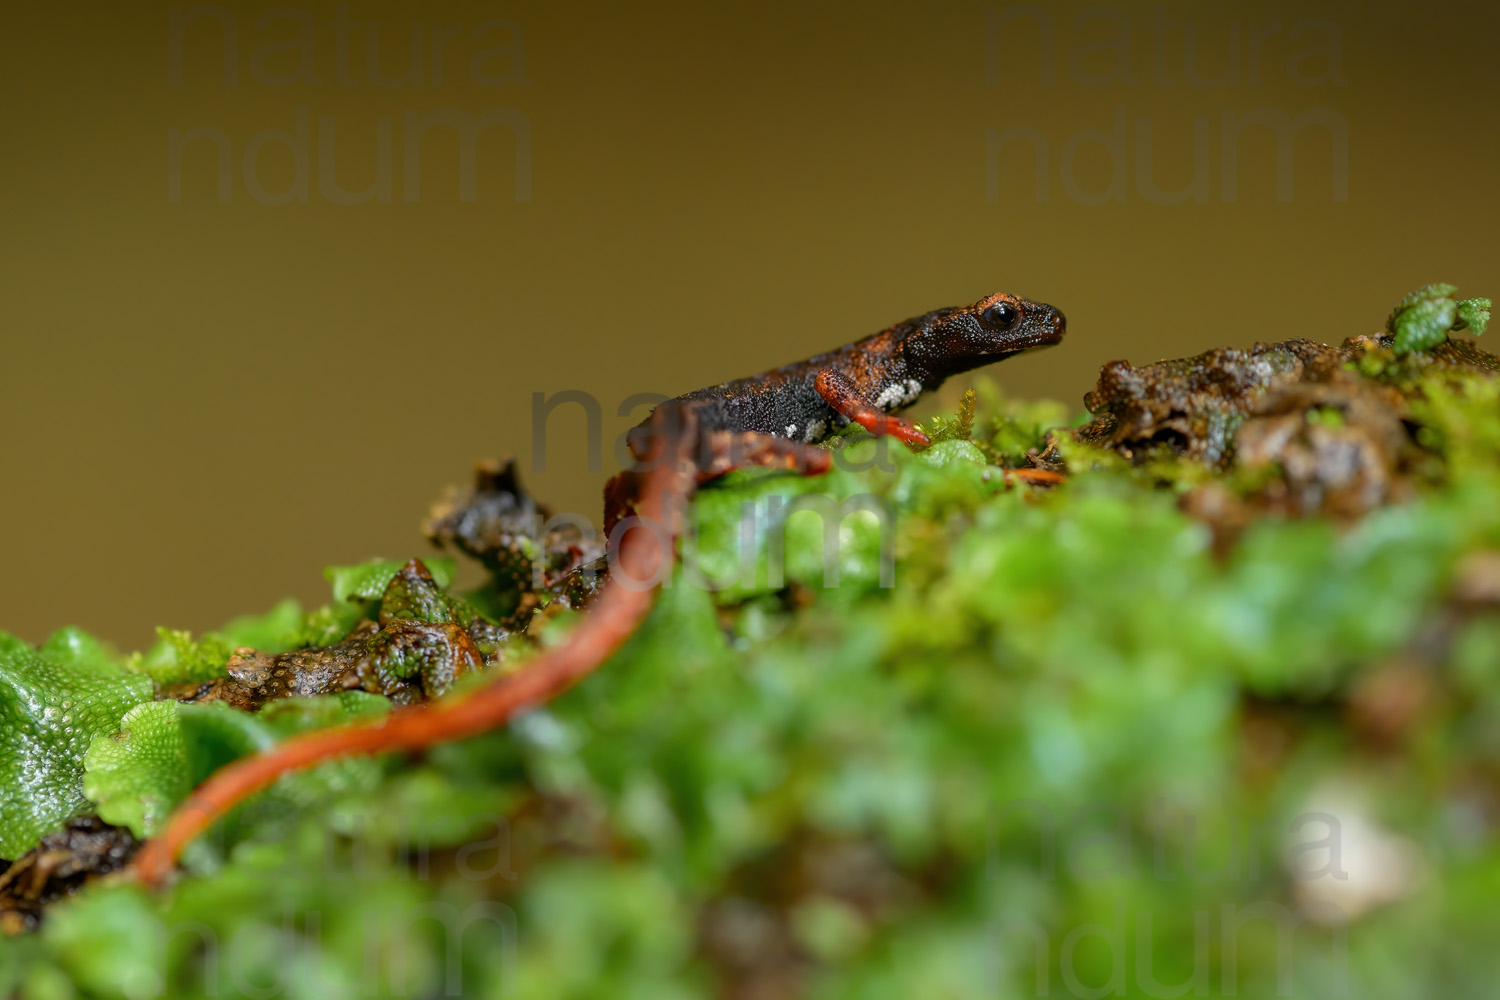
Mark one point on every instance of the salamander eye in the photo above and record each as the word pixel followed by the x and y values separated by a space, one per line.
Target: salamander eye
pixel 1001 315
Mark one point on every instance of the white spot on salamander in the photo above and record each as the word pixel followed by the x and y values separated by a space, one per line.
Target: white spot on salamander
pixel 791 430
pixel 899 394
pixel 815 430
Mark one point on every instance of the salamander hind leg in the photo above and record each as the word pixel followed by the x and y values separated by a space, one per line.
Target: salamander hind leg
pixel 674 429
pixel 725 451
pixel 841 394
pixel 714 452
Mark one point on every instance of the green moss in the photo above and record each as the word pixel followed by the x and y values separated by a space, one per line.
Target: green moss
pixel 1424 318
pixel 367 581
pixel 53 702
pixel 179 659
pixel 135 776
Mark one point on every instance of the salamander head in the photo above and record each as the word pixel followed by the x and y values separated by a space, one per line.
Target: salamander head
pixel 997 326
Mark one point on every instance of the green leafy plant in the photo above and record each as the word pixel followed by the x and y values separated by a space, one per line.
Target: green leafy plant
pixel 1425 317
pixel 53 701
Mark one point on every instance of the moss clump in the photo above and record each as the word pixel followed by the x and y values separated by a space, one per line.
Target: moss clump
pixel 1423 319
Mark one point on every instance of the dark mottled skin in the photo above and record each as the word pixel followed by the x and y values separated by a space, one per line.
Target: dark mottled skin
pixel 924 350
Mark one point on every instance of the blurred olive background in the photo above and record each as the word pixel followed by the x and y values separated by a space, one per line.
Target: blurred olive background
pixel 207 401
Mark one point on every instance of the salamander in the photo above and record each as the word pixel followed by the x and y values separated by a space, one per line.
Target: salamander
pixel 773 419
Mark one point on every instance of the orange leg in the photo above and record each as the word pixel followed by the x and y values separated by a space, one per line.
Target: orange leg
pixel 841 394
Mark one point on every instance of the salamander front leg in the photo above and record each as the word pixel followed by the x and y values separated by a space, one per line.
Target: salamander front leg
pixel 840 393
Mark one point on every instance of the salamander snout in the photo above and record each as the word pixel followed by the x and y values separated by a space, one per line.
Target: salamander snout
pixel 1059 321
pixel 1041 325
